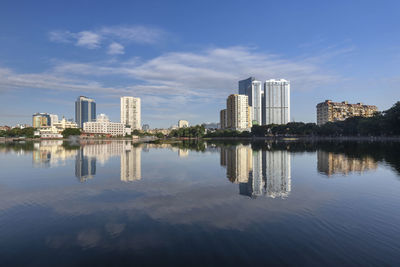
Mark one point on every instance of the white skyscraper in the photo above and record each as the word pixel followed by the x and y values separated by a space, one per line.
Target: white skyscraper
pixel 130 112
pixel 256 103
pixel 276 102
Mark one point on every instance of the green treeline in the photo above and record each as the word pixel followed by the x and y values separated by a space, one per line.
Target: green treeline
pixel 193 132
pixel 386 123
pixel 27 132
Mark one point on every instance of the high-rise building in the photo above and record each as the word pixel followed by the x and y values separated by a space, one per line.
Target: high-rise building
pixel 245 88
pixel 53 119
pixel 183 124
pixel 40 120
pixel 130 112
pixel 85 110
pixel 238 112
pixel 253 90
pixel 222 119
pixel 334 111
pixel 276 102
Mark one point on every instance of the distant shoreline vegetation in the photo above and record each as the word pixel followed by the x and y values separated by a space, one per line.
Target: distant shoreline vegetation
pixel 386 123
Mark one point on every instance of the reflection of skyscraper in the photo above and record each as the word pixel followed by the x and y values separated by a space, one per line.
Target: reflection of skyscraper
pixel 131 163
pixel 238 162
pixel 85 167
pixel 278 173
pixel 258 172
pixel 330 163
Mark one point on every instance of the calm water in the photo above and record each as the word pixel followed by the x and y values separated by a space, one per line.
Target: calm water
pixel 115 203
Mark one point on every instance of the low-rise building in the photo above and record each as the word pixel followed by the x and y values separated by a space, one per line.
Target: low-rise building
pixel 103 126
pixel 329 111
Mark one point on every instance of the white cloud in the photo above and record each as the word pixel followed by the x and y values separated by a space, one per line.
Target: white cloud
pixel 116 49
pixel 138 34
pixel 88 39
pixel 92 39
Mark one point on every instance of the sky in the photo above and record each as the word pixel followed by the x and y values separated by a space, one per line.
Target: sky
pixel 183 58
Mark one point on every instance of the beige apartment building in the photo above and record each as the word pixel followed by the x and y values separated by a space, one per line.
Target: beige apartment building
pixel 238 113
pixel 335 111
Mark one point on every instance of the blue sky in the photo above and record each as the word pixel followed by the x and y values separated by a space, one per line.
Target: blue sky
pixel 183 58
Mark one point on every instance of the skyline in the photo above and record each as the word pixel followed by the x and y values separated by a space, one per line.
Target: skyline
pixel 183 66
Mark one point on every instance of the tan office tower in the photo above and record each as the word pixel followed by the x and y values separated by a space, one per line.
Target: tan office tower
pixel 237 112
pixel 130 112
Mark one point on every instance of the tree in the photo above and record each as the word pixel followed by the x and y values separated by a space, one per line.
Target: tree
pixel 71 131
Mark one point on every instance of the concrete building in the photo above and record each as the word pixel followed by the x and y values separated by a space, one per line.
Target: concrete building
pixel 130 112
pixel 183 124
pixel 85 110
pixel 253 89
pixel 222 119
pixel 103 126
pixel 64 124
pixel 334 111
pixel 40 120
pixel 276 109
pixel 238 112
pixel 53 119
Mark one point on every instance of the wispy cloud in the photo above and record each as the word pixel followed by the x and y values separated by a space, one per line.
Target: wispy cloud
pixel 88 39
pixel 111 36
pixel 174 79
pixel 116 49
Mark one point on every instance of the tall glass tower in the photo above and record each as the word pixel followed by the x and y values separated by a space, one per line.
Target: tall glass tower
pixel 85 110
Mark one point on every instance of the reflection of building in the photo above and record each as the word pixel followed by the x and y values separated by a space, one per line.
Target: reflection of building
pixel 330 163
pixel 131 163
pixel 258 172
pixel 50 153
pixel 85 110
pixel 85 167
pixel 333 111
pixel 278 173
pixel 183 153
pixel 238 162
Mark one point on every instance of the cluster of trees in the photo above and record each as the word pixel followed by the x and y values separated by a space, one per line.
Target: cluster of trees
pixel 192 132
pixel 27 132
pixel 228 133
pixel 144 133
pixel 386 123
pixel 71 131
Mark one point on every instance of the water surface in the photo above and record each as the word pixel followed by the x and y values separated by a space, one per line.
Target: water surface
pixel 115 203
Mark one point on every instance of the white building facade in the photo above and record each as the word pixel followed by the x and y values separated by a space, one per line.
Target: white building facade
pixel 183 123
pixel 276 102
pixel 103 126
pixel 130 112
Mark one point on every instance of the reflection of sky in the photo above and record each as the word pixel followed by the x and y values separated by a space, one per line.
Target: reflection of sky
pixel 189 203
